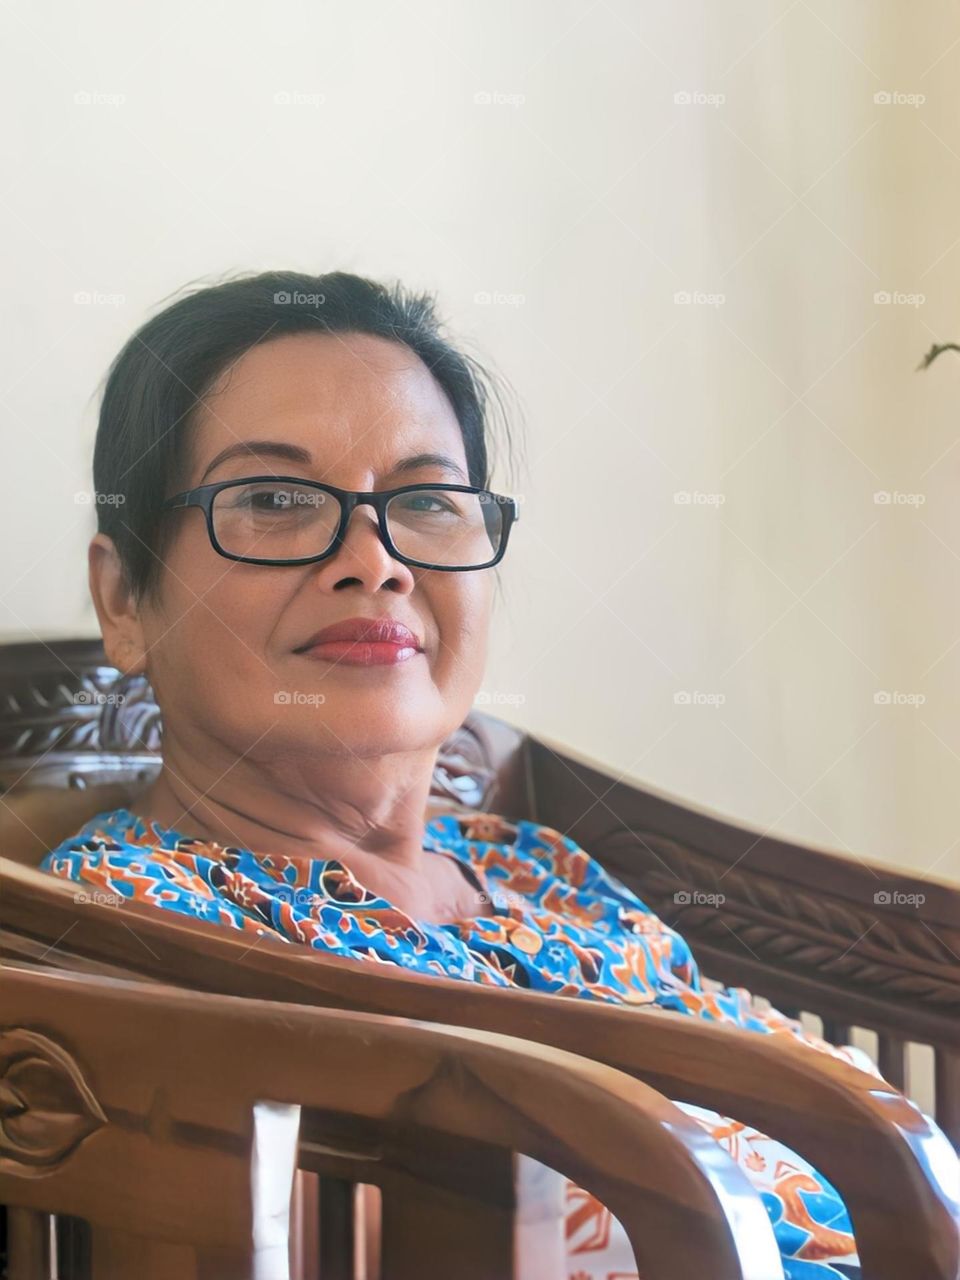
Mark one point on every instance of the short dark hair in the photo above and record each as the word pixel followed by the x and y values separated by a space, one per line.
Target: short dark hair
pixel 157 382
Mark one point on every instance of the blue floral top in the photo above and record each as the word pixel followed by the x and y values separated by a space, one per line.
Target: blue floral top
pixel 560 924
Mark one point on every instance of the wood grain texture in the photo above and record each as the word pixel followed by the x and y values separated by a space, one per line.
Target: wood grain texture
pixel 177 1074
pixel 844 1121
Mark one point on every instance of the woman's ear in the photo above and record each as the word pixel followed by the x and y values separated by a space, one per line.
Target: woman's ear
pixel 117 610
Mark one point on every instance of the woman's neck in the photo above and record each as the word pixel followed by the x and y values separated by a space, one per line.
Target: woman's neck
pixel 361 812
pixel 389 862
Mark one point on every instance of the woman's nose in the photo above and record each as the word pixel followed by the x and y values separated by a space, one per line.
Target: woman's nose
pixel 364 555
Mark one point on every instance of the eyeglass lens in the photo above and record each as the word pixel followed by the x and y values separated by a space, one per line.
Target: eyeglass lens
pixel 279 520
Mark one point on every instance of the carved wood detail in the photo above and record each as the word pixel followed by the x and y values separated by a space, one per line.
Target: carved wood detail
pixel 788 927
pixel 46 1106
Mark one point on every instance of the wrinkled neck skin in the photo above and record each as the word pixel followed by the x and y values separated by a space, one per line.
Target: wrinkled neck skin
pixel 368 812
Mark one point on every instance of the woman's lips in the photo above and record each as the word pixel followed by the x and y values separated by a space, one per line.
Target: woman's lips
pixel 363 642
pixel 361 653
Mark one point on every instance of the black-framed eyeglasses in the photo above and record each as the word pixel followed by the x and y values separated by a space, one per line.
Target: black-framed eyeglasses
pixel 280 520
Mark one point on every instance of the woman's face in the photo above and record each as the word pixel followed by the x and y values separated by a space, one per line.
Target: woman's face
pixel 221 646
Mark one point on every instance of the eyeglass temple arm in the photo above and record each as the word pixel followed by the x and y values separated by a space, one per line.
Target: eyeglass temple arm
pixel 181 500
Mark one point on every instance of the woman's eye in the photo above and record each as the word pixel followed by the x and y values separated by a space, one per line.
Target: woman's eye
pixel 278 501
pixel 427 503
pixel 267 501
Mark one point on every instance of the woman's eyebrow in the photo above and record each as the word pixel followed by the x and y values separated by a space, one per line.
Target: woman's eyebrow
pixel 441 460
pixel 262 448
pixel 303 457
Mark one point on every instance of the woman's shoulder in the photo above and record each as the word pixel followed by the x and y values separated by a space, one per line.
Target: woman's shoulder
pixel 114 832
pixel 471 824
pixel 483 826
pixel 491 835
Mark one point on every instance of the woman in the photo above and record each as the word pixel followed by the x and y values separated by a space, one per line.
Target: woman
pixel 294 542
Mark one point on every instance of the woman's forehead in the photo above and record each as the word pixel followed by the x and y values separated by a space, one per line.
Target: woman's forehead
pixel 332 395
pixel 311 370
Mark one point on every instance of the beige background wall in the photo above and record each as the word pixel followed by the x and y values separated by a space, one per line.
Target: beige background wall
pixel 559 171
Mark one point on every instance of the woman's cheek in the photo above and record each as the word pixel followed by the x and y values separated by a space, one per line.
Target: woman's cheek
pixel 466 647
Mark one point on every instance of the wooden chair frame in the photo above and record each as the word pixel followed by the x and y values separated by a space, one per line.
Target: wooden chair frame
pixel 170 1120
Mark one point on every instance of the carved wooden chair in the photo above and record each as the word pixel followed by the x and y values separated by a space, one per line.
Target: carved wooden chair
pixel 173 1121
pixel 801 928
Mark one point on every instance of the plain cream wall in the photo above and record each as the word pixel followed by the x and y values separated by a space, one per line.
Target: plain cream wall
pixel 559 171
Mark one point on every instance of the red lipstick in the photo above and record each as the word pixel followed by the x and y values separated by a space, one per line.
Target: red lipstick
pixel 363 642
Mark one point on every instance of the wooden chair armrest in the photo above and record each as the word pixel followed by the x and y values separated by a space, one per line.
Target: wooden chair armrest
pixel 160 1087
pixel 897 1175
